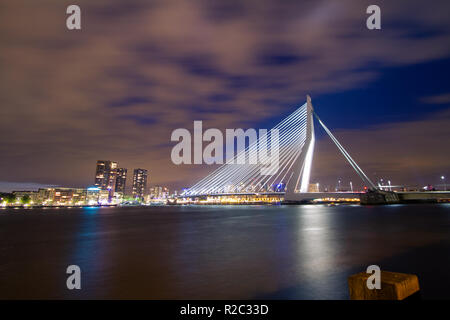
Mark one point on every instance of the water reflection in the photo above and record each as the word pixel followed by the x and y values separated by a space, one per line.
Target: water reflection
pixel 232 252
pixel 316 249
pixel 89 252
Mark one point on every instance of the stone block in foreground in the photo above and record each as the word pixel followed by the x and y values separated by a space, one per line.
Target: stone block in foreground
pixel 394 286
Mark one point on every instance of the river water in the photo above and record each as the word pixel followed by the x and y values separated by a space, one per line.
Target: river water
pixel 219 252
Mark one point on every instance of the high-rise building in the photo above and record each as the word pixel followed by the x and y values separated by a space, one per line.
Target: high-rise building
pixel 121 179
pixel 139 183
pixel 105 175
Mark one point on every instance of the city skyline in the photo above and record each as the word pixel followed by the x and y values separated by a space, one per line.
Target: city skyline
pixel 110 177
pixel 109 189
pixel 251 68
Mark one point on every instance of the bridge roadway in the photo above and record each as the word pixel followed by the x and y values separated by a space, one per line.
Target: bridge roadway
pixel 306 196
pixel 412 196
pixel 409 196
pixel 232 194
pixel 403 197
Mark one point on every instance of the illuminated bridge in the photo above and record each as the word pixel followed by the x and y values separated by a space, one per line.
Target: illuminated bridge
pixel 291 179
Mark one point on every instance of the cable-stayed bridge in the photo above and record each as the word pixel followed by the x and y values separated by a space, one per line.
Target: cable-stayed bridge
pixel 290 178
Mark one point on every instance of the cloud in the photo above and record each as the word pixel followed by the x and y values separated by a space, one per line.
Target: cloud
pixel 139 70
pixel 437 99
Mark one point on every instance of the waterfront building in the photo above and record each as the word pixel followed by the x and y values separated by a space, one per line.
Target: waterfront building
pixel 313 187
pixel 155 192
pixel 92 195
pixel 78 196
pixel 105 175
pixel 104 197
pixel 165 193
pixel 45 196
pixel 68 196
pixel 32 195
pixel 139 184
pixel 159 192
pixel 117 198
pixel 121 178
pixel 61 196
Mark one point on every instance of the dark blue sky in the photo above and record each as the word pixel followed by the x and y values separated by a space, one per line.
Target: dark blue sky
pixel 398 94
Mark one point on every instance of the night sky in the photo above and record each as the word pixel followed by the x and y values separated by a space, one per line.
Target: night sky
pixel 138 70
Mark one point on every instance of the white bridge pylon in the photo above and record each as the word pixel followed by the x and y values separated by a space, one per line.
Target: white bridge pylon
pixel 295 159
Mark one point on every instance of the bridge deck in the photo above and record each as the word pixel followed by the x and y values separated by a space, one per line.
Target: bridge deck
pixel 307 196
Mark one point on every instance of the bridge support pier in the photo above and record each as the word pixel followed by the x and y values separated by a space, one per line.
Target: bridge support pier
pixel 379 197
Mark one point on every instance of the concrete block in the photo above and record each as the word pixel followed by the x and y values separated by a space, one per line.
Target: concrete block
pixel 394 286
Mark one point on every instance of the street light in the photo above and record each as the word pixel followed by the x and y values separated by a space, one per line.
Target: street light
pixel 389 182
pixel 445 185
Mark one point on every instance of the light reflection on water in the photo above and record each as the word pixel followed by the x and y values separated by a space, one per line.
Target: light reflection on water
pixel 213 252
